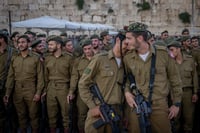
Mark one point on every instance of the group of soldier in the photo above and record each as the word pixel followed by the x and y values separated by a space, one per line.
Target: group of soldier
pixel 35 68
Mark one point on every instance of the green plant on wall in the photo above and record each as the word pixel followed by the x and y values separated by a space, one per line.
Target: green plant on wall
pixel 80 4
pixel 143 6
pixel 110 10
pixel 184 17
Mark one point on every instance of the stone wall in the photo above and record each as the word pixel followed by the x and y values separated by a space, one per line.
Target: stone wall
pixel 163 14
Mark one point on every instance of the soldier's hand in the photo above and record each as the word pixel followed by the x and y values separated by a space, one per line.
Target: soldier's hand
pixel 130 99
pixel 173 111
pixel 6 99
pixel 36 98
pixel 70 97
pixel 95 112
pixel 194 98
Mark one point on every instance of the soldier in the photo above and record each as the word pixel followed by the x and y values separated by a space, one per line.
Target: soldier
pixel 195 42
pixel 58 68
pixel 164 35
pixel 186 45
pixel 39 49
pixel 79 66
pixel 95 44
pixel 185 32
pixel 68 46
pixel 31 35
pixel 13 38
pixel 106 70
pixel 63 35
pixel 25 80
pixel 106 38
pixel 6 53
pixel 138 63
pixel 187 69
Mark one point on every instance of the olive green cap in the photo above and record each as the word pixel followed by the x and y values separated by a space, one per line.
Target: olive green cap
pixel 169 40
pixel 35 43
pixel 63 34
pixel 65 40
pixel 104 33
pixel 94 36
pixel 160 43
pixel 184 38
pixel 137 27
pixel 57 39
pixel 85 42
pixel 174 44
pixel 41 35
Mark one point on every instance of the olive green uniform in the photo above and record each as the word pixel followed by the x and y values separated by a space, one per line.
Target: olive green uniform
pixel 196 56
pixel 104 71
pixel 166 71
pixel 107 47
pixel 25 79
pixel 3 60
pixel 57 79
pixel 79 66
pixel 189 79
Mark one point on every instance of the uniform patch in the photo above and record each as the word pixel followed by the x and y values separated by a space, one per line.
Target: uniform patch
pixel 87 70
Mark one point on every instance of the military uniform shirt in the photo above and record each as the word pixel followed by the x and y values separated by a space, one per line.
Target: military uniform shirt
pixel 3 61
pixel 188 72
pixel 104 71
pixel 196 56
pixel 25 69
pixel 79 66
pixel 166 70
pixel 58 69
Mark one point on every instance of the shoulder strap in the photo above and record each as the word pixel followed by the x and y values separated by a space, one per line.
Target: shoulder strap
pixel 152 75
pixel 10 51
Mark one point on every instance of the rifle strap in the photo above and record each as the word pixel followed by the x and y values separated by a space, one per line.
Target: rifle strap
pixel 152 75
pixel 6 67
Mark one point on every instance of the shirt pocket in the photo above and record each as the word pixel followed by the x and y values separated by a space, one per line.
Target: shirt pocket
pixel 160 74
pixel 63 67
pixel 187 72
pixel 30 67
pixel 107 73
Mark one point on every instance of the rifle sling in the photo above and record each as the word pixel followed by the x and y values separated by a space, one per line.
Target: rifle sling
pixel 152 76
pixel 6 68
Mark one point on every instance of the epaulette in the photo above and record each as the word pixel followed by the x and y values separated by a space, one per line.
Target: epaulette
pixel 32 53
pixel 158 47
pixel 188 56
pixel 67 53
pixel 102 53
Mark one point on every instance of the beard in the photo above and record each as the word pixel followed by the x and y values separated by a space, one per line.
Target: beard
pixel 22 48
pixel 52 50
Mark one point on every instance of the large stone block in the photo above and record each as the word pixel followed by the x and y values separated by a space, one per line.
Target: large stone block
pixel 33 7
pixel 97 19
pixel 86 18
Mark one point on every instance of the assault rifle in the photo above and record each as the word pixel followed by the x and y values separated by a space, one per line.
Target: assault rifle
pixel 109 114
pixel 143 107
pixel 44 118
pixel 72 128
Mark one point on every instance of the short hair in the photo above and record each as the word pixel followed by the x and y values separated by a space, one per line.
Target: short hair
pixel 165 31
pixel 14 34
pixel 30 33
pixel 185 30
pixel 25 37
pixel 195 37
pixel 4 34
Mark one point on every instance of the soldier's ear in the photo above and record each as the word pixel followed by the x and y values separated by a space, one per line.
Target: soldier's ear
pixel 140 38
pixel 59 45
